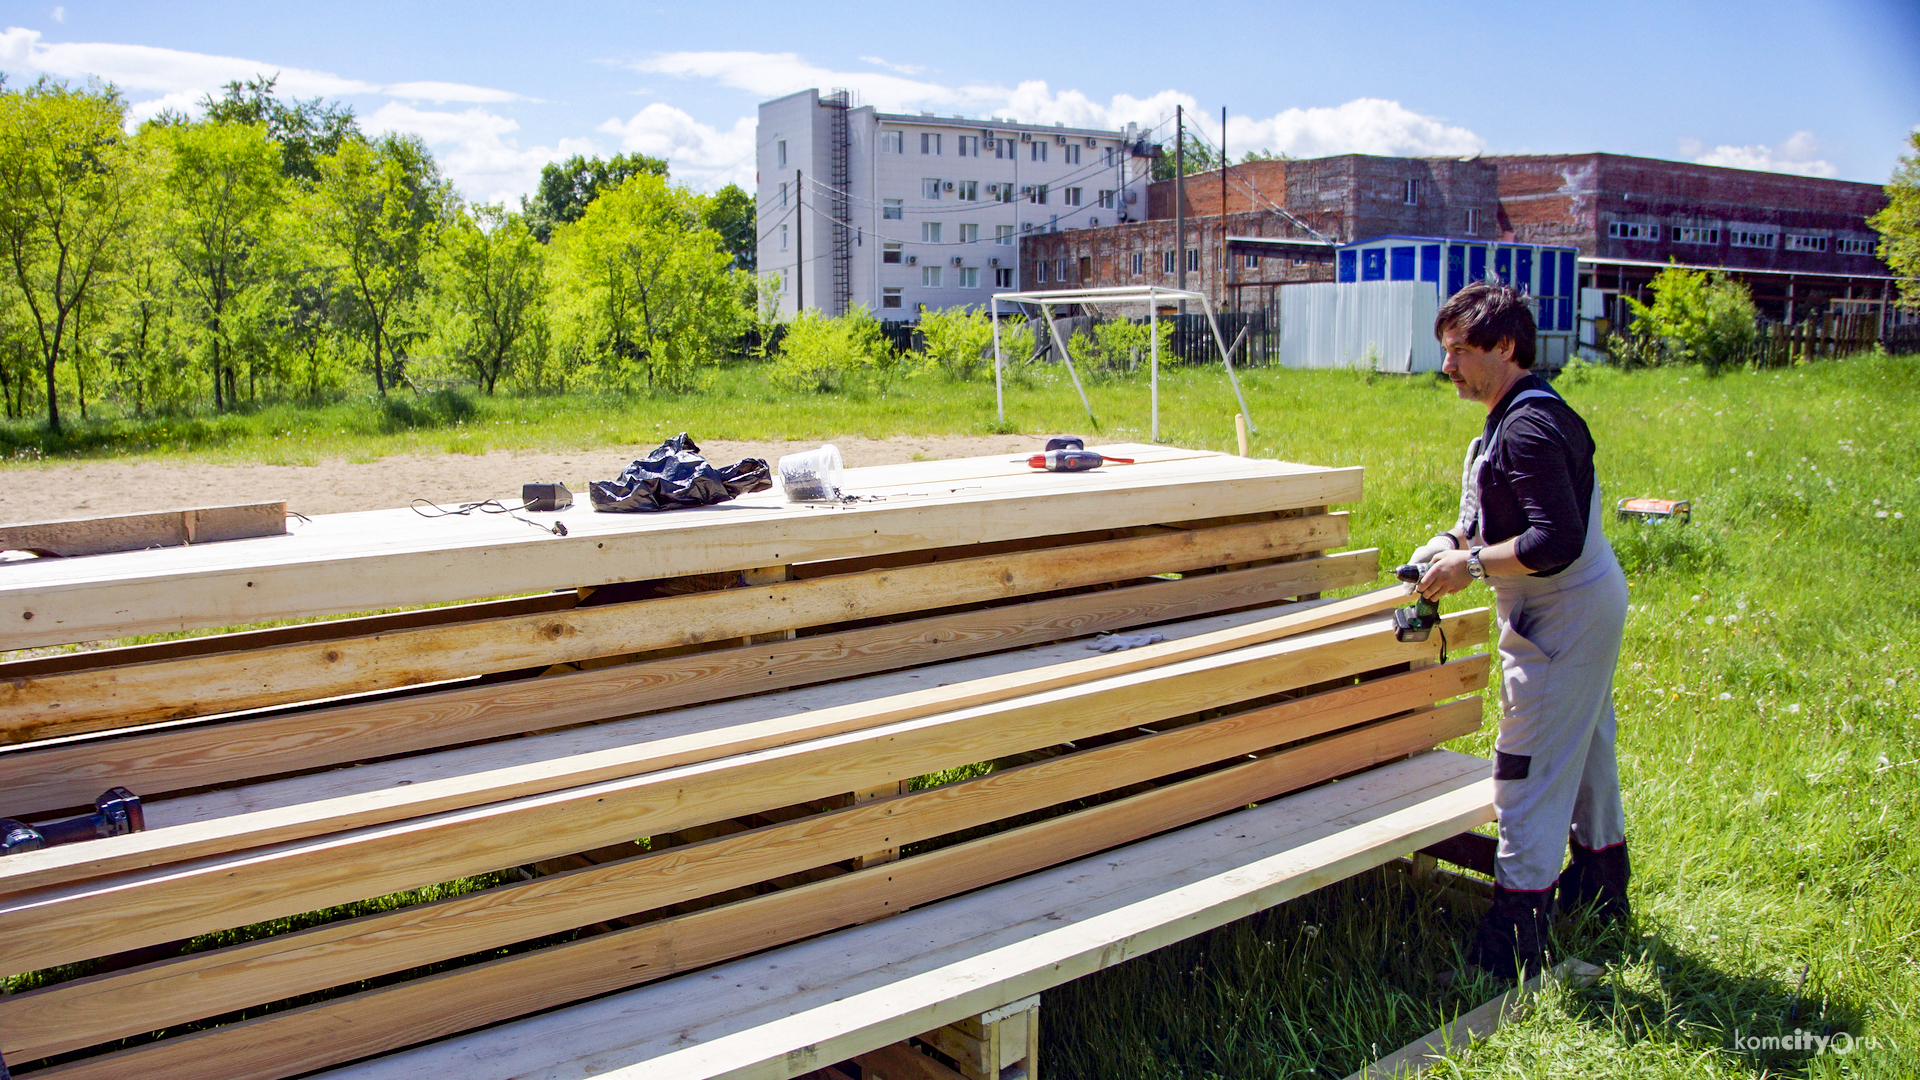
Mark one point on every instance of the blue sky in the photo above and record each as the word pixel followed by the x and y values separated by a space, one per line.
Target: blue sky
pixel 1828 88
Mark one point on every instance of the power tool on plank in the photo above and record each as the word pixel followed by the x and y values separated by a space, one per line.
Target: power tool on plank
pixel 116 812
pixel 1417 622
pixel 1069 453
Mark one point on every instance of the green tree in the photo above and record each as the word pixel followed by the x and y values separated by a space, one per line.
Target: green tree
pixel 223 187
pixel 959 340
pixel 730 213
pixel 1899 224
pixel 69 190
pixel 375 212
pixel 567 188
pixel 821 353
pixel 490 277
pixel 645 282
pixel 1697 317
pixel 306 131
pixel 1197 157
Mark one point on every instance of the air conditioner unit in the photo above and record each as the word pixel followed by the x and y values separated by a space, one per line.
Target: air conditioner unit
pixel 995 261
pixel 1026 136
pixel 1027 189
pixel 1092 221
pixel 1133 197
pixel 1090 140
pixel 913 260
pixel 948 186
pixel 1061 139
pixel 986 142
pixel 993 189
pixel 956 260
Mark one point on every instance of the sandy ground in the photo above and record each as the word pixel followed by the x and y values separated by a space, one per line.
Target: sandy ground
pixel 89 489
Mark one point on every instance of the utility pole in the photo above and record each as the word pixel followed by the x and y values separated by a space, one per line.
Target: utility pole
pixel 799 244
pixel 1226 258
pixel 1180 201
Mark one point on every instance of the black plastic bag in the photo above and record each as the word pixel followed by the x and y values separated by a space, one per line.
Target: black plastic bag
pixel 675 475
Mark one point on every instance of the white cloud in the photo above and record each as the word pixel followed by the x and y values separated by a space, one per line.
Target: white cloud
pixel 60 14
pixel 1361 126
pixel 696 153
pixel 475 148
pixel 137 68
pixel 1799 154
pixel 904 69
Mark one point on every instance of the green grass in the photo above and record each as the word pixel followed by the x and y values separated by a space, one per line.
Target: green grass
pixel 1769 705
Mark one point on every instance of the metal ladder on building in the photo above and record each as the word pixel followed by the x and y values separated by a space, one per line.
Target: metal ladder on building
pixel 838 103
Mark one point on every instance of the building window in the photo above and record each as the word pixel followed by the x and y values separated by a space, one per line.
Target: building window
pixel 1064 263
pixel 969 277
pixel 1071 154
pixel 1632 230
pixel 1796 242
pixel 891 253
pixel 1005 149
pixel 1166 262
pixel 1695 234
pixel 1070 196
pixel 890 296
pixel 930 277
pixel 1109 161
pixel 783 196
pixel 783 152
pixel 930 142
pixel 1137 263
pixel 1473 223
pixel 893 142
pixel 930 189
pixel 969 234
pixel 1411 196
pixel 1040 271
pixel 1854 247
pixel 967 190
pixel 893 209
pixel 1003 278
pixel 1193 260
pixel 1003 235
pixel 1106 200
pixel 1748 238
pixel 930 232
pixel 967 145
pixel 783 238
pixel 1003 192
pixel 1252 261
pixel 1036 151
pixel 1037 193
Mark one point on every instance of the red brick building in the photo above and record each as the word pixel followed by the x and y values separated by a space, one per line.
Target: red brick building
pixel 1802 244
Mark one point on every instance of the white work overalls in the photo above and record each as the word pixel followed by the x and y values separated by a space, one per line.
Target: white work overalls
pixel 1559 643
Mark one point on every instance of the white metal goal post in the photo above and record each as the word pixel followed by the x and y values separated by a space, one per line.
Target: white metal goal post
pixel 1150 295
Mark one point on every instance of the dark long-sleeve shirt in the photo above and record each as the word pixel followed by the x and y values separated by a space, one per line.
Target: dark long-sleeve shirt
pixel 1537 484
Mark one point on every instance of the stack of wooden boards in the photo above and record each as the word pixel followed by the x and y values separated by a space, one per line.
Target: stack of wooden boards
pixel 735 729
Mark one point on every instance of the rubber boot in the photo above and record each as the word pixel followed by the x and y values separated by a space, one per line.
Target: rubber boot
pixel 1597 879
pixel 1512 936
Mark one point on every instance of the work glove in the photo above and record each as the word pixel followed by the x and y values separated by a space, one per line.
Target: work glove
pixel 1117 642
pixel 1426 552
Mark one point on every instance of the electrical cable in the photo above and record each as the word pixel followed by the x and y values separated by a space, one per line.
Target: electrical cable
pixel 488 506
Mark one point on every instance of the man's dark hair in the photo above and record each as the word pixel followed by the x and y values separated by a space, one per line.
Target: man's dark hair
pixel 1490 313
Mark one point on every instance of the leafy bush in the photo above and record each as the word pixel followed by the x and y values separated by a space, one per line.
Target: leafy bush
pixel 1697 317
pixel 822 353
pixel 959 340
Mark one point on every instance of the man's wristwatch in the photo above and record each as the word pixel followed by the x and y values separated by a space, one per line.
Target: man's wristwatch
pixel 1474 569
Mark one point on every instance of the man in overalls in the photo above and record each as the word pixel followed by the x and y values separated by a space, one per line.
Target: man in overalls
pixel 1530 526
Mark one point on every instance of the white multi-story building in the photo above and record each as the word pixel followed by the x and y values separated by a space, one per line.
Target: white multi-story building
pixel 896 212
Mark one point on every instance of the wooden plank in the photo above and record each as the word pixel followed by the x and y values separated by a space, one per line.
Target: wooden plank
pixel 37 868
pixel 88 1011
pixel 71 917
pixel 91 700
pixel 255 580
pixel 901 1062
pixel 38 779
pixel 819 1000
pixel 1424 1053
pixel 300 1040
pixel 157 528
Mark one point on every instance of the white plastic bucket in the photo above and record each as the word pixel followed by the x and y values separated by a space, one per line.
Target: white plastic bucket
pixel 811 475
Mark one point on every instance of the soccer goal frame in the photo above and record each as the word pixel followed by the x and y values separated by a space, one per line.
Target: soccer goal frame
pixel 1150 295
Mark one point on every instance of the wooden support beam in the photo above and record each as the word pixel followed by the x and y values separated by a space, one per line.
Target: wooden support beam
pixel 1424 1053
pixel 253 581
pixel 98 699
pixel 78 907
pixel 157 528
pixel 725 856
pixel 299 1040
pixel 901 1062
pixel 70 774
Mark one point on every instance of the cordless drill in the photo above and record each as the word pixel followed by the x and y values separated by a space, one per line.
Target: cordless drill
pixel 1416 622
